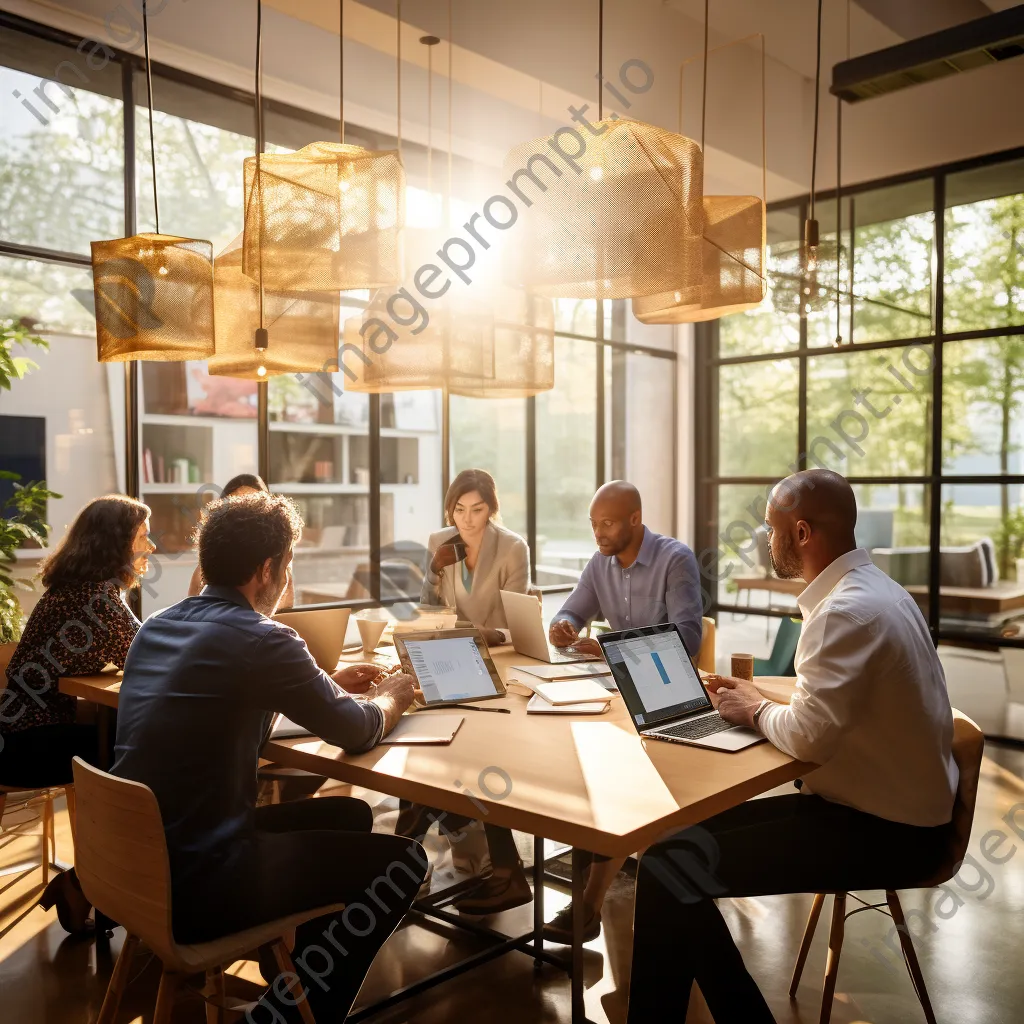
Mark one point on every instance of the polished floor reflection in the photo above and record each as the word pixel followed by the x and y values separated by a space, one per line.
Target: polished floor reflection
pixel 968 937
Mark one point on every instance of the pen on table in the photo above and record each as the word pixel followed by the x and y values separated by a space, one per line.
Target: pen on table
pixel 472 707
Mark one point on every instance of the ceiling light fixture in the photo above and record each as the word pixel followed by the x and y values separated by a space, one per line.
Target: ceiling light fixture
pixel 153 293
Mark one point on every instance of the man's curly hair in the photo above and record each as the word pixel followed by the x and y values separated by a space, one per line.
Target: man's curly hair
pixel 237 535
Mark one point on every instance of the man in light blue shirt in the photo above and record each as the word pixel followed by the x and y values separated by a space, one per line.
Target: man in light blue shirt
pixel 637 578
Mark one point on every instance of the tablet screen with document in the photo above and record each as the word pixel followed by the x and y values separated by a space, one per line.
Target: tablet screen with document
pixel 451 666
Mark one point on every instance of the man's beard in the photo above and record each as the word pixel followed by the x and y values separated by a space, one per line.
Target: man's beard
pixel 269 597
pixel 788 567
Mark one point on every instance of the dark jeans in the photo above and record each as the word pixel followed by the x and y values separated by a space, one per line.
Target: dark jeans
pixel 414 820
pixel 40 757
pixel 309 854
pixel 777 845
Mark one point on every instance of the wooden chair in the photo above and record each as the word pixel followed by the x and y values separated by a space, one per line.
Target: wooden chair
pixel 121 860
pixel 48 851
pixel 968 747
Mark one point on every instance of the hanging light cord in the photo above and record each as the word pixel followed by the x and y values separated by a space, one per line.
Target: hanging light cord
pixel 341 71
pixel 259 143
pixel 398 76
pixel 817 91
pixel 149 88
pixel 704 86
pixel 600 60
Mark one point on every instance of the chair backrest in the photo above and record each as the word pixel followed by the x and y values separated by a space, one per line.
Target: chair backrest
pixel 706 655
pixel 6 653
pixel 121 854
pixel 968 748
pixel 784 648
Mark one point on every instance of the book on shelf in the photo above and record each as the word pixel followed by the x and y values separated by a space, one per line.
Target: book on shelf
pixel 161 475
pixel 147 466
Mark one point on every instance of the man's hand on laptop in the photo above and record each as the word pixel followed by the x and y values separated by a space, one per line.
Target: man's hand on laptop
pixel 563 633
pixel 394 694
pixel 357 678
pixel 737 700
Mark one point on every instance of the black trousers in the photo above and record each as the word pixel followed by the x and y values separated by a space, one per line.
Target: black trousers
pixel 307 854
pixel 40 757
pixel 777 845
pixel 414 820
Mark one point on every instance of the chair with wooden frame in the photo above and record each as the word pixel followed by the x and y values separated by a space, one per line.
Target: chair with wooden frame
pixel 706 654
pixel 122 863
pixel 48 851
pixel 968 747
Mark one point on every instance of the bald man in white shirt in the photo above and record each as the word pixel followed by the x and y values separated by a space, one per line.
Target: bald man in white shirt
pixel 870 707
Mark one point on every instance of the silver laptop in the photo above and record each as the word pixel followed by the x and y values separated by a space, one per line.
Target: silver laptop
pixel 323 629
pixel 526 624
pixel 663 692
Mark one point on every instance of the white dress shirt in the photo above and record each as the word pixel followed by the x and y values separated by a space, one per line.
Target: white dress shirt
pixel 870 704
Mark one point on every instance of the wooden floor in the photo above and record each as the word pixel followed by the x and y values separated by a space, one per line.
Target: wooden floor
pixel 969 945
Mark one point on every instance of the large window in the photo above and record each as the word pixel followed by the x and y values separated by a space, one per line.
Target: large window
pixel 366 471
pixel 924 415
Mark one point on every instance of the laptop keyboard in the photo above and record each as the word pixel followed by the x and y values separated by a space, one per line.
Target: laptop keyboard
pixel 698 728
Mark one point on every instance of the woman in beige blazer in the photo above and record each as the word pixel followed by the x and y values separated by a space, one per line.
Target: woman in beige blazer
pixel 471 561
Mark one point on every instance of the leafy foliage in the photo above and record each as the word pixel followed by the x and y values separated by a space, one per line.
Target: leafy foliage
pixel 12 367
pixel 22 520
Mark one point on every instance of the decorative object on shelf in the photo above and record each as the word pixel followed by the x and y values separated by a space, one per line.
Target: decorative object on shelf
pixel 262 332
pixel 328 216
pixel 617 213
pixel 153 292
pixel 800 273
pixel 733 237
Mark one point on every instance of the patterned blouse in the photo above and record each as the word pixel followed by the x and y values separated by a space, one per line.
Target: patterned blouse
pixel 74 630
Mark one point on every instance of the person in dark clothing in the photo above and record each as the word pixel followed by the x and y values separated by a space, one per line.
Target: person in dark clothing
pixel 80 625
pixel 202 682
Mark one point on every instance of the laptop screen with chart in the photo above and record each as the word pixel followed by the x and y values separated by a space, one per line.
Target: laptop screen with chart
pixel 449 665
pixel 655 674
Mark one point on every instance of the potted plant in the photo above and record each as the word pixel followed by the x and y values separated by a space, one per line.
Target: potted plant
pixel 23 514
pixel 1011 540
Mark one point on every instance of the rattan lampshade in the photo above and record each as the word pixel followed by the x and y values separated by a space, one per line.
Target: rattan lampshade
pixel 154 298
pixel 302 326
pixel 733 276
pixel 524 349
pixel 626 223
pixel 331 217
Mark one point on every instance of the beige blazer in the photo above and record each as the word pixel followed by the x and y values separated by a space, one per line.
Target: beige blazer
pixel 503 564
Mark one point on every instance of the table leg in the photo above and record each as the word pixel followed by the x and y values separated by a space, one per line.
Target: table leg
pixel 579 881
pixel 106 726
pixel 538 901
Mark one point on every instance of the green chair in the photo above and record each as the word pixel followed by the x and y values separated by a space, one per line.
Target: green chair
pixel 783 651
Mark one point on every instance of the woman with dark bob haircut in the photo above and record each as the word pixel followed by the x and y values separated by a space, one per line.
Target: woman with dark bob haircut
pixel 80 625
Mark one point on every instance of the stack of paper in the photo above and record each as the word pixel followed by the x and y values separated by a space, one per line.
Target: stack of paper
pixel 539 706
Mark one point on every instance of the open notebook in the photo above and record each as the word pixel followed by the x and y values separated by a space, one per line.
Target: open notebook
pixel 415 728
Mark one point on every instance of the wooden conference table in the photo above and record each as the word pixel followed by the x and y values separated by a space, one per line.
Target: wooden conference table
pixel 588 781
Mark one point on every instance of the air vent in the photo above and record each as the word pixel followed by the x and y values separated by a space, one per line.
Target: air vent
pixel 975 44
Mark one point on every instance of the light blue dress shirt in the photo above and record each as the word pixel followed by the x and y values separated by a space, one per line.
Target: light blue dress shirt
pixel 662 585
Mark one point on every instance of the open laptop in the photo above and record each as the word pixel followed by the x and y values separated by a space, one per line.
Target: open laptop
pixel 526 625
pixel 663 692
pixel 323 629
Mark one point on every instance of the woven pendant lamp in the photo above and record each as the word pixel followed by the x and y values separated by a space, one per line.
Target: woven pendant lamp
pixel 801 272
pixel 263 332
pixel 627 223
pixel 331 213
pixel 733 240
pixel 302 327
pixel 153 292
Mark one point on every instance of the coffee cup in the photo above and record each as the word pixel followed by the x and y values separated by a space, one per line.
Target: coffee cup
pixel 743 666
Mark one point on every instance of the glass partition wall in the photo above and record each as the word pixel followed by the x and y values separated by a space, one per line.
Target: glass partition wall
pixel 366 471
pixel 920 405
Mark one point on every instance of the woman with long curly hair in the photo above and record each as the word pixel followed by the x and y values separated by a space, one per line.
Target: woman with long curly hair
pixel 80 625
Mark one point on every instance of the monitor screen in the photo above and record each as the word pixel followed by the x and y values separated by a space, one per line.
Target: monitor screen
pixel 450 668
pixel 654 673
